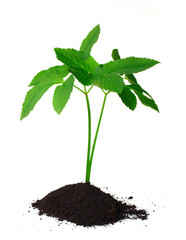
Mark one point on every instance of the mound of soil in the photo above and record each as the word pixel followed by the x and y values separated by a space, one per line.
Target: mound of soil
pixel 86 205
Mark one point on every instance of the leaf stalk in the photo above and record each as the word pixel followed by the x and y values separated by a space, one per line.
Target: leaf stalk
pixel 89 163
pixel 79 89
pixel 89 132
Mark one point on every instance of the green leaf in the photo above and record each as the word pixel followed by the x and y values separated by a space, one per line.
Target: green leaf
pixel 81 66
pixel 129 65
pixel 52 75
pixel 62 94
pixel 32 97
pixel 115 54
pixel 131 79
pixel 111 81
pixel 144 96
pixel 128 98
pixel 90 40
pixel 40 84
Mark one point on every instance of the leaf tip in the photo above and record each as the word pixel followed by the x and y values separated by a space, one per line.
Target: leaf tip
pixel 97 27
pixel 22 116
pixel 158 110
pixel 57 111
pixel 115 54
pixel 55 49
pixel 157 62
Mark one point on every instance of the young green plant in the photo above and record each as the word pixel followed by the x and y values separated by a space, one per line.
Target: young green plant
pixel 114 76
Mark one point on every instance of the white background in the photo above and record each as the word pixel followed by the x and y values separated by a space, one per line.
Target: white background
pixel 140 153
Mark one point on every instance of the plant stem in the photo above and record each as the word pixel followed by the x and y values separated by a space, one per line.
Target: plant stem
pixel 90 88
pixel 95 138
pixel 89 132
pixel 79 89
pixel 103 91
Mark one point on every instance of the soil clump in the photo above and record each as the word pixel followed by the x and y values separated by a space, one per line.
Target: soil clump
pixel 86 205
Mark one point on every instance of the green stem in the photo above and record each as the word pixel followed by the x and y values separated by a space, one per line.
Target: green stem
pixel 89 132
pixel 95 138
pixel 90 88
pixel 79 89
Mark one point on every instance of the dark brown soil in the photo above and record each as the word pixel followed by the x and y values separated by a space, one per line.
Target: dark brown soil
pixel 86 205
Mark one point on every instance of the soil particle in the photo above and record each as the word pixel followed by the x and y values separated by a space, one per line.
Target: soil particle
pixel 130 197
pixel 86 205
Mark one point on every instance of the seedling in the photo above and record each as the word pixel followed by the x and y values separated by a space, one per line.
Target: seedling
pixel 114 76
